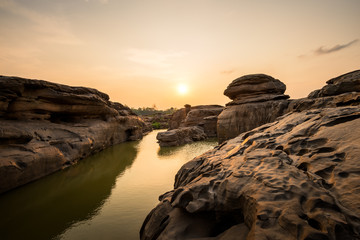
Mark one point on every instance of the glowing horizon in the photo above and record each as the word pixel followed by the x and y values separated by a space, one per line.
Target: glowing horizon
pixel 138 52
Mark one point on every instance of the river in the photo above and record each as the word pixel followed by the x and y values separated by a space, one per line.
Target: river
pixel 105 196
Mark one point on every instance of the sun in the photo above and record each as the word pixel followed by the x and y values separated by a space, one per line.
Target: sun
pixel 182 89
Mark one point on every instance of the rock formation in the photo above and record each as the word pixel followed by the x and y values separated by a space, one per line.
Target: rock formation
pixel 297 177
pixel 199 118
pixel 257 99
pixel 180 136
pixel 45 127
pixel 157 121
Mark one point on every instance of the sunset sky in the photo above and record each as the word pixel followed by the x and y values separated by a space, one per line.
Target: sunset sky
pixel 139 52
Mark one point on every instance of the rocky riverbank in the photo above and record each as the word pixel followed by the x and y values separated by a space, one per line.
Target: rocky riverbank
pixel 189 124
pixel 296 177
pixel 45 127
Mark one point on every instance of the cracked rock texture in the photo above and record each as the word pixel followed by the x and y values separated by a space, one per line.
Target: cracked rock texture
pixel 45 127
pixel 297 177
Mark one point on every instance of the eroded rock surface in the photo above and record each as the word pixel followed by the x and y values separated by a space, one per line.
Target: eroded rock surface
pixel 295 178
pixel 257 99
pixel 45 127
pixel 180 136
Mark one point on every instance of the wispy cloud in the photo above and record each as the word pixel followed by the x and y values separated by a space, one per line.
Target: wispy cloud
pixel 321 50
pixel 48 28
pixel 153 58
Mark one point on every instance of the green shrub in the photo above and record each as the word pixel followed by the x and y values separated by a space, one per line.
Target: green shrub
pixel 156 125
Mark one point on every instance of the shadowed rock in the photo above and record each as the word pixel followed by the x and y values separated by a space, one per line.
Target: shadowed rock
pixel 45 127
pixel 199 118
pixel 180 136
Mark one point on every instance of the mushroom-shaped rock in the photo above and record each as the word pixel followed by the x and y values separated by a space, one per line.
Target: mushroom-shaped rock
pixel 257 99
pixel 253 85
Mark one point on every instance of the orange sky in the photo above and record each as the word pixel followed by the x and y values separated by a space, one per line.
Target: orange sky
pixel 138 52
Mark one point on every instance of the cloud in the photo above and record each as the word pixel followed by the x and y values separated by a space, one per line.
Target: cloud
pixel 322 50
pixel 47 28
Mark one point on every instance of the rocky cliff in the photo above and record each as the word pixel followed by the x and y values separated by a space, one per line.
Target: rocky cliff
pixel 45 127
pixel 297 177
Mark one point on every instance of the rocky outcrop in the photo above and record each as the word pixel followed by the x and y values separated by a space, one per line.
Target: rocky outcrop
pixel 45 127
pixel 349 82
pixel 202 117
pixel 180 136
pixel 257 99
pixel 297 177
pixel 340 91
pixel 195 116
pixel 177 118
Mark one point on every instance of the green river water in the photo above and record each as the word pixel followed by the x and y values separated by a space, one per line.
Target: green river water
pixel 105 196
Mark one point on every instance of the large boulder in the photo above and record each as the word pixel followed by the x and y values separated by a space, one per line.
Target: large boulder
pixel 180 136
pixel 295 178
pixel 257 99
pixel 45 127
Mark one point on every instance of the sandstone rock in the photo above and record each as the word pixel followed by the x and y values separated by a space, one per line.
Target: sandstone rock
pixel 45 127
pixel 241 118
pixel 193 116
pixel 349 82
pixel 196 115
pixel 257 99
pixel 254 84
pixel 295 178
pixel 203 116
pixel 180 136
pixel 178 117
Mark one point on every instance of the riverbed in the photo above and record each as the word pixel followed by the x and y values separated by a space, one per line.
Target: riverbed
pixel 105 196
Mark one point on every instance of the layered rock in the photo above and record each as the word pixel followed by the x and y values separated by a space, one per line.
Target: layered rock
pixel 343 90
pixel 180 136
pixel 203 117
pixel 349 82
pixel 257 99
pixel 45 127
pixel 294 178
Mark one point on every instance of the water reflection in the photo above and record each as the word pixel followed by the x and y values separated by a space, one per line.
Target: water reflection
pixel 44 209
pixel 106 196
pixel 188 149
